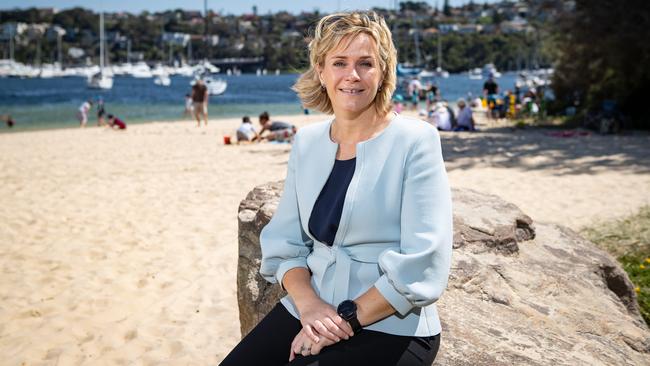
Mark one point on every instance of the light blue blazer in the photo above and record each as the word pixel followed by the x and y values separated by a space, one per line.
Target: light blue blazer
pixel 395 231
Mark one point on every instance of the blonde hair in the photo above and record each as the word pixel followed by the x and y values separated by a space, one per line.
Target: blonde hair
pixel 330 31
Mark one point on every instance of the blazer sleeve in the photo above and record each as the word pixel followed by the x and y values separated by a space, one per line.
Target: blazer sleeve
pixel 418 274
pixel 283 242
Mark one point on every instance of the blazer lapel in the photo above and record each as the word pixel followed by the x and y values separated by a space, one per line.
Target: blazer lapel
pixel 314 167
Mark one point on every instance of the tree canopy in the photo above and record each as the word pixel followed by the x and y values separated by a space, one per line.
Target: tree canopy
pixel 603 54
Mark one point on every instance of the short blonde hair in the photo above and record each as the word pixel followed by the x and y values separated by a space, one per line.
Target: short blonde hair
pixel 329 33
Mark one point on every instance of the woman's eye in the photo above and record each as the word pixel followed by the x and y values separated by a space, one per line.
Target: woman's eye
pixel 339 63
pixel 366 64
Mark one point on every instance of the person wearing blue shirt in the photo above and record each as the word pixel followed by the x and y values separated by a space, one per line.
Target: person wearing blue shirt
pixel 361 239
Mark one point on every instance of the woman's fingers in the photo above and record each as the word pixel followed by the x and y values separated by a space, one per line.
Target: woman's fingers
pixel 325 330
pixel 343 325
pixel 309 332
pixel 316 348
pixel 292 349
pixel 335 329
pixel 306 351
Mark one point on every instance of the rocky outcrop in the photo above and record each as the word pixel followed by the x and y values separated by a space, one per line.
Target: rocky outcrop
pixel 518 293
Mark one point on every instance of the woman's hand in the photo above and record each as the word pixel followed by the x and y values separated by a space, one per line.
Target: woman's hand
pixel 303 345
pixel 319 319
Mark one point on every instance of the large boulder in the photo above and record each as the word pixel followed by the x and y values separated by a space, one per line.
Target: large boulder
pixel 518 294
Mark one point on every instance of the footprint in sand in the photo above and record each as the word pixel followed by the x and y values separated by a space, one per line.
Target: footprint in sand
pixel 175 349
pixel 131 335
pixel 53 353
pixel 31 314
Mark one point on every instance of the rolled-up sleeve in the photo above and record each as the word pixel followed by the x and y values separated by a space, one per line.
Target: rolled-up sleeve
pixel 418 274
pixel 283 242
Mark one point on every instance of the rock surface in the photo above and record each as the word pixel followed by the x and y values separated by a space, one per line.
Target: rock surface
pixel 518 293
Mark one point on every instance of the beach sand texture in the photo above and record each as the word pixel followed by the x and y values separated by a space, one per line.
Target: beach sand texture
pixel 120 247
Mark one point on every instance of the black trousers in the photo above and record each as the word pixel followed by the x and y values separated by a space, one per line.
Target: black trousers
pixel 269 343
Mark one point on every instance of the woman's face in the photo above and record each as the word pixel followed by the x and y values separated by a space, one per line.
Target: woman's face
pixel 352 74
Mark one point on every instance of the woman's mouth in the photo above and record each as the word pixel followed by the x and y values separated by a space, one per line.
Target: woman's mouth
pixel 351 91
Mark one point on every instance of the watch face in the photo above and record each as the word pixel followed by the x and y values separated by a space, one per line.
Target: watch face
pixel 347 309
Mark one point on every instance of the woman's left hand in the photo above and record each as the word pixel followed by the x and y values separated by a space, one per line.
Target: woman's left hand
pixel 303 345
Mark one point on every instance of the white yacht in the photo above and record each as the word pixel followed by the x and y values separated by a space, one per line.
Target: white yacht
pixel 490 69
pixel 475 74
pixel 162 79
pixel 141 70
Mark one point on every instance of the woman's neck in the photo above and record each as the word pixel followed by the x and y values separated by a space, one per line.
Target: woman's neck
pixel 350 129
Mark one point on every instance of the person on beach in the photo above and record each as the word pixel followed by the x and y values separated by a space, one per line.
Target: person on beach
pixel 413 91
pixel 188 106
pixel 362 236
pixel 82 113
pixel 433 94
pixel 465 119
pixel 8 120
pixel 277 131
pixel 246 132
pixel 441 117
pixel 101 112
pixel 490 92
pixel 116 123
pixel 200 102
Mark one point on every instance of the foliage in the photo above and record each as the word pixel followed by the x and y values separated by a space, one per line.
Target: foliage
pixel 603 54
pixel 461 52
pixel 628 239
pixel 277 38
pixel 446 9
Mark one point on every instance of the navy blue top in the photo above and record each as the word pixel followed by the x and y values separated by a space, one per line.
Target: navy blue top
pixel 326 214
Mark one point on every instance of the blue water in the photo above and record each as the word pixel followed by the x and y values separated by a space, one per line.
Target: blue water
pixel 52 103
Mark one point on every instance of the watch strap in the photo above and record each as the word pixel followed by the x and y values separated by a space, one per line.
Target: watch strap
pixel 356 326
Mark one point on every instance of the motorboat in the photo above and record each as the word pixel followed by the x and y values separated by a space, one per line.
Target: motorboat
pixel 441 73
pixel 100 81
pixel 404 70
pixel 162 80
pixel 475 74
pixel 491 70
pixel 141 70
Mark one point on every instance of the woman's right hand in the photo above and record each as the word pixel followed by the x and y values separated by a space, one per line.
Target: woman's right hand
pixel 319 318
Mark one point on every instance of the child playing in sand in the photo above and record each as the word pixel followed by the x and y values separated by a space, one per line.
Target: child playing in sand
pixel 246 132
pixel 116 123
pixel 82 113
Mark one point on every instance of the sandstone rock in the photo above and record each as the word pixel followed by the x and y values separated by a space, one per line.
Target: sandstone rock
pixel 518 294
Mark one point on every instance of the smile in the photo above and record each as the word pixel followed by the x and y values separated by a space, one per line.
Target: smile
pixel 352 91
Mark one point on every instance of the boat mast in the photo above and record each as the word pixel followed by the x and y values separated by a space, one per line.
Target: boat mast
pixel 417 43
pixel 11 42
pixel 439 51
pixel 128 51
pixel 101 41
pixel 58 49
pixel 205 30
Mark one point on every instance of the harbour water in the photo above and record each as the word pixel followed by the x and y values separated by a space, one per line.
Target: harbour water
pixel 53 103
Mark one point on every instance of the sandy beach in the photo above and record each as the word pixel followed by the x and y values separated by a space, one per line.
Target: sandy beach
pixel 120 247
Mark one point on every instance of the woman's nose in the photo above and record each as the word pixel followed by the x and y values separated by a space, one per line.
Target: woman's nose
pixel 353 74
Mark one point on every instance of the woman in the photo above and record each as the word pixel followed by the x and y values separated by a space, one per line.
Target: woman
pixel 361 239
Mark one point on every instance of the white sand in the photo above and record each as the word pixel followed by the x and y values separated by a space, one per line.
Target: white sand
pixel 120 247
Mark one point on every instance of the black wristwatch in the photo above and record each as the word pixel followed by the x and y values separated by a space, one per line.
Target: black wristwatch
pixel 347 310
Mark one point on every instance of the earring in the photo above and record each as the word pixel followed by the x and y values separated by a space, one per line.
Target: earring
pixel 379 88
pixel 322 87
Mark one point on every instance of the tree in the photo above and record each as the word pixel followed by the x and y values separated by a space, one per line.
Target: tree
pixel 446 9
pixel 603 55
